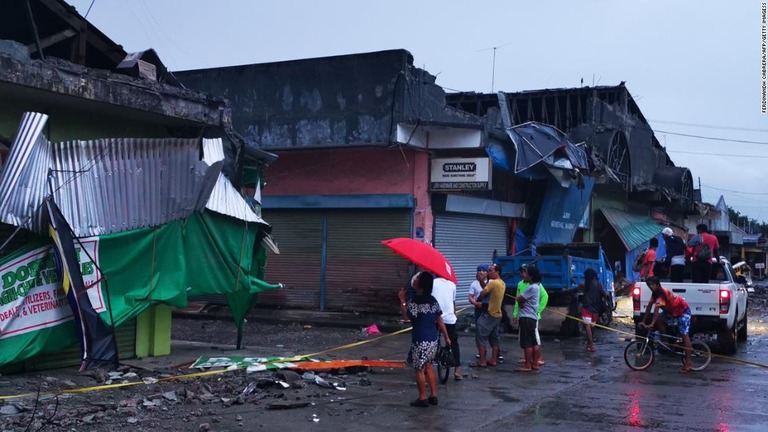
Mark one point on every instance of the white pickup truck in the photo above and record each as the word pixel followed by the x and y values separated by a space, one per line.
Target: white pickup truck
pixel 718 307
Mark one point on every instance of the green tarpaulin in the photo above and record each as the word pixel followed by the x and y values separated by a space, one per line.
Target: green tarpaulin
pixel 206 253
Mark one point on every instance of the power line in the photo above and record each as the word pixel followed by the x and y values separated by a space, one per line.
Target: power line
pixel 736 128
pixel 717 154
pixel 710 138
pixel 735 191
pixel 89 9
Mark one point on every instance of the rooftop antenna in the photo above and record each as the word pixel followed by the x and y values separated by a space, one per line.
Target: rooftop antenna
pixel 493 68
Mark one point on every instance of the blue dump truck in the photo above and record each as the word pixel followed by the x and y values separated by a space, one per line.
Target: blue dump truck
pixel 562 270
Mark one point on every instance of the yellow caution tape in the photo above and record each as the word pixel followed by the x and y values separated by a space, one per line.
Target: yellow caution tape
pixel 199 374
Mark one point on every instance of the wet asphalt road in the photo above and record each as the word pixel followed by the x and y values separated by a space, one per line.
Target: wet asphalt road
pixel 575 390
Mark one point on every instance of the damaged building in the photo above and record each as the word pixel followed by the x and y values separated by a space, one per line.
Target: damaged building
pixel 640 191
pixel 370 150
pixel 146 173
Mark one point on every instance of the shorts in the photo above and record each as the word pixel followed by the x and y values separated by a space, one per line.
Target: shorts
pixel 487 330
pixel 683 322
pixel 589 317
pixel 527 332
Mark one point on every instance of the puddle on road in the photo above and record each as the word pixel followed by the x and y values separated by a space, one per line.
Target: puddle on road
pixel 502 394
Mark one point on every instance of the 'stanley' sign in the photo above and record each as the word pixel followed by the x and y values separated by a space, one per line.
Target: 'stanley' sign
pixel 460 174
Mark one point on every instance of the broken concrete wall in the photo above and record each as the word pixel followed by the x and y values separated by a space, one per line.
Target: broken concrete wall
pixel 344 100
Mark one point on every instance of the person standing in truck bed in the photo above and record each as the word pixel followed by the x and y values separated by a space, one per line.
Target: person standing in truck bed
pixel 649 259
pixel 704 249
pixel 675 260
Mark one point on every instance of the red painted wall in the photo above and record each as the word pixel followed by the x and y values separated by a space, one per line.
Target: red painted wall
pixel 354 172
pixel 341 172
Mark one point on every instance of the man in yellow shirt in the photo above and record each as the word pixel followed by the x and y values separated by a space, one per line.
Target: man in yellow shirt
pixel 489 322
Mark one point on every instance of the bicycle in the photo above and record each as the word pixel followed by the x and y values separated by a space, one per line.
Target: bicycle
pixel 444 361
pixel 640 353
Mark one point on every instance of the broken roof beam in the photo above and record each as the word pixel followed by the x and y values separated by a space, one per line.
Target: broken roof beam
pixel 51 40
pixel 117 90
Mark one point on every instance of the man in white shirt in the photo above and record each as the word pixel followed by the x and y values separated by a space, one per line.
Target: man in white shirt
pixel 444 291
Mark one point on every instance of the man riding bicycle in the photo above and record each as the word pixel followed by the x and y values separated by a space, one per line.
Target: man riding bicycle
pixel 676 312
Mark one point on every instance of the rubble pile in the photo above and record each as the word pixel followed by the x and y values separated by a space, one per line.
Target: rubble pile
pixel 151 397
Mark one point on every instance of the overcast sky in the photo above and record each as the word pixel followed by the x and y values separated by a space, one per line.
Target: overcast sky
pixel 694 67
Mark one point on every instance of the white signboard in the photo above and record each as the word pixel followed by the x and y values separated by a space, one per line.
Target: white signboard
pixel 31 294
pixel 460 174
pixel 759 265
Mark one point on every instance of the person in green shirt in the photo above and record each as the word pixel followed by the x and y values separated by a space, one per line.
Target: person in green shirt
pixel 543 299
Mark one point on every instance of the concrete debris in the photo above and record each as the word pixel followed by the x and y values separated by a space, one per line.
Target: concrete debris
pixel 204 427
pixel 132 420
pixel 323 383
pixel 9 410
pixel 170 396
pixel 288 376
pixel 287 404
pixel 249 389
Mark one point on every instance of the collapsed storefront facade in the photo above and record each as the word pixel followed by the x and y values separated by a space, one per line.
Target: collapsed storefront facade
pixel 638 191
pixel 141 168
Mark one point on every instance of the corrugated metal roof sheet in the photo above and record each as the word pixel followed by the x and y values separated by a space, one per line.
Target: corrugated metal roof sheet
pixel 25 172
pixel 113 185
pixel 224 198
pixel 633 229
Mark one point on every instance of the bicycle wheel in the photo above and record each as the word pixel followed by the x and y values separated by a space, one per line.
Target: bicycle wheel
pixel 701 355
pixel 638 355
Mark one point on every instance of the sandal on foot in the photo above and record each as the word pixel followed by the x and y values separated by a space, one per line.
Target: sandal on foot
pixel 477 365
pixel 541 362
pixel 492 364
pixel 422 403
pixel 432 400
pixel 458 377
pixel 591 349
pixel 684 370
pixel 523 369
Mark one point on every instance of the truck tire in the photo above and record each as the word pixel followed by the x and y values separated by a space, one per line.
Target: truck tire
pixel 741 335
pixel 606 317
pixel 726 339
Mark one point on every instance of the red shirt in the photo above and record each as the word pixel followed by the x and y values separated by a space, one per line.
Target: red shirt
pixel 712 242
pixel 671 303
pixel 646 269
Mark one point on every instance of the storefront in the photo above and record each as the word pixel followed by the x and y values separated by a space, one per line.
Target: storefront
pixel 331 258
pixel 468 240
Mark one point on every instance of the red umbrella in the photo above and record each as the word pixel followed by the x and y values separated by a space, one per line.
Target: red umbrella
pixel 423 255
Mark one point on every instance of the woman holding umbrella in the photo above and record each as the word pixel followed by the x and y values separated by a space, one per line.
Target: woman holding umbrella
pixel 425 315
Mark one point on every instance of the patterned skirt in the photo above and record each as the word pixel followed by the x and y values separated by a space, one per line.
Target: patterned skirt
pixel 421 353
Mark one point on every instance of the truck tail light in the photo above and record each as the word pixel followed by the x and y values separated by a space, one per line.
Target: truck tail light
pixel 636 299
pixel 725 301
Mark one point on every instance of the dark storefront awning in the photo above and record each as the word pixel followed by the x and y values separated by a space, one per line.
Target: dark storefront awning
pixel 633 229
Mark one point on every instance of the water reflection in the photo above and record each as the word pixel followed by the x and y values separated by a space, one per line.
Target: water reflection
pixel 634 418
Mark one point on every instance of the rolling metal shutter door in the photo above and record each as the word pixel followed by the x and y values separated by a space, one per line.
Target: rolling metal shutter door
pixel 361 273
pixel 299 235
pixel 469 240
